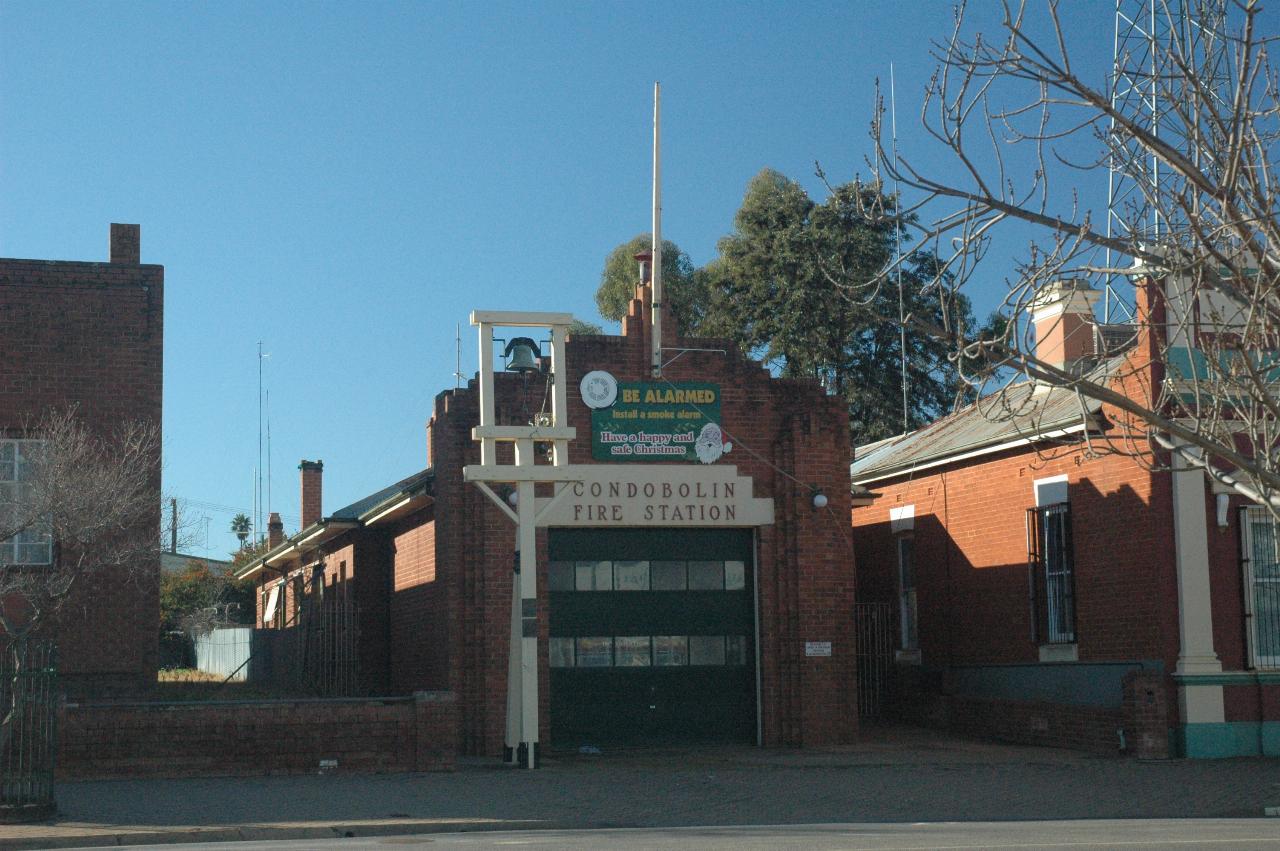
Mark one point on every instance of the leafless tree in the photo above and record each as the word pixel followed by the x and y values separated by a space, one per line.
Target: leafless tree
pixel 77 502
pixel 74 504
pixel 1025 127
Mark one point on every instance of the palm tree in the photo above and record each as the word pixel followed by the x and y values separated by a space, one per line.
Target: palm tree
pixel 241 525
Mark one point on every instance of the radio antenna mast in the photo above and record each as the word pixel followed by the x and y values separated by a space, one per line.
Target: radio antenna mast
pixel 897 253
pixel 1157 43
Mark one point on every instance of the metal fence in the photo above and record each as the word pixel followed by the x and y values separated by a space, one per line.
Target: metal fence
pixel 28 735
pixel 316 655
pixel 873 629
pixel 225 651
pixel 325 644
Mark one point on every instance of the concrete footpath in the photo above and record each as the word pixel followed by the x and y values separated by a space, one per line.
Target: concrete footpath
pixel 895 775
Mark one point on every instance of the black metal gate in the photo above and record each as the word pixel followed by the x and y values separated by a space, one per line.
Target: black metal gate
pixel 873 627
pixel 28 728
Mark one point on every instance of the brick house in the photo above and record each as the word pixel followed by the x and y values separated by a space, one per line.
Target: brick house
pixel 89 336
pixel 1044 588
pixel 678 600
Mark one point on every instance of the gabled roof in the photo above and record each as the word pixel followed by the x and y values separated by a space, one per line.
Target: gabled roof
pixel 404 487
pixel 406 495
pixel 1023 413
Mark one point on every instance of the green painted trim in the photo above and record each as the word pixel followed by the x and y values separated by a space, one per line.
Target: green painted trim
pixel 1229 678
pixel 1228 739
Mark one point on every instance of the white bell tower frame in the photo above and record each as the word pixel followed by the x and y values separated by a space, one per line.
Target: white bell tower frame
pixel 522 670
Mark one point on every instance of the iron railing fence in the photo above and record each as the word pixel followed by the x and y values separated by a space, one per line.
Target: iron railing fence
pixel 28 723
pixel 873 630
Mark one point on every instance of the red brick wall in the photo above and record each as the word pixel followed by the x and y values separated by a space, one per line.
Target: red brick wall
pixel 369 578
pixel 420 656
pixel 1037 723
pixel 210 740
pixel 805 569
pixel 970 544
pixel 90 335
pixel 311 491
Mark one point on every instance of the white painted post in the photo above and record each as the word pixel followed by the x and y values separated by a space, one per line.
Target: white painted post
pixel 488 446
pixel 1198 703
pixel 526 532
pixel 511 744
pixel 560 394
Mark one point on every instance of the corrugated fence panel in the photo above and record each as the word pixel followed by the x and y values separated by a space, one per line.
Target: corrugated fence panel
pixel 225 651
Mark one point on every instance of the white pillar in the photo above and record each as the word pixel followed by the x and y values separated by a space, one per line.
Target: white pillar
pixel 511 743
pixel 560 393
pixel 528 623
pixel 1198 703
pixel 527 541
pixel 488 446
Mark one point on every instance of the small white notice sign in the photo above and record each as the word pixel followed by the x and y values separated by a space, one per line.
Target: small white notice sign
pixel 817 648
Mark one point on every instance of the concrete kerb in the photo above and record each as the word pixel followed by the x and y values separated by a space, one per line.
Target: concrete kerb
pixel 71 835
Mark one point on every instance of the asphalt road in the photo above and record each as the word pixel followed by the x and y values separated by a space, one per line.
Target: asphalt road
pixel 1131 835
pixel 904 788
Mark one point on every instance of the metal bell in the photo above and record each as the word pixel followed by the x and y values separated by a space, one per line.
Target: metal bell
pixel 522 355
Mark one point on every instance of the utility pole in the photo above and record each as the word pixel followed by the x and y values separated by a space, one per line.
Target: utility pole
pixel 257 494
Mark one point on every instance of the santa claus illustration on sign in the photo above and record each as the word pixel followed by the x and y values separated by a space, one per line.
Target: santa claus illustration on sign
pixel 711 444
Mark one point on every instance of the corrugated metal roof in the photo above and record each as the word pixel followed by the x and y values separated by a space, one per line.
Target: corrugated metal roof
pixel 347 517
pixel 1021 411
pixel 358 509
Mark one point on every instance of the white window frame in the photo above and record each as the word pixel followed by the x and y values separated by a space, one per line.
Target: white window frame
pixel 1053 508
pixel 11 475
pixel 908 601
pixel 1255 550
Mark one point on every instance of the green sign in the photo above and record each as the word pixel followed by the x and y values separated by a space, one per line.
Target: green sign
pixel 659 422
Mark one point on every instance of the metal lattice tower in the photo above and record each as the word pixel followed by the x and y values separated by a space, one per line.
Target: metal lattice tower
pixel 1156 41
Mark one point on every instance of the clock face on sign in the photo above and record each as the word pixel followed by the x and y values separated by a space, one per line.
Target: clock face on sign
pixel 599 389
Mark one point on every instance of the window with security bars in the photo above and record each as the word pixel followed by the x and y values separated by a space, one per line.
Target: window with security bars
pixel 1261 568
pixel 1051 574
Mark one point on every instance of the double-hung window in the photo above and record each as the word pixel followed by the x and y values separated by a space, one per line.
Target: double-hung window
pixel 907 613
pixel 1051 574
pixel 1261 559
pixel 32 544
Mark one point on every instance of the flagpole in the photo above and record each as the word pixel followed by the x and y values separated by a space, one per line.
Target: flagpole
pixel 656 322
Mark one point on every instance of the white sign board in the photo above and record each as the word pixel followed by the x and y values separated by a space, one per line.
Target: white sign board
pixel 817 648
pixel 659 495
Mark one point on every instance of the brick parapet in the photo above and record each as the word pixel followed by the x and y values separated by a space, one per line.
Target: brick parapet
pixel 246 739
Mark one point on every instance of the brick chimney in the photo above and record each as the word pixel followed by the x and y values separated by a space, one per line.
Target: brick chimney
pixel 275 530
pixel 1066 331
pixel 312 472
pixel 126 243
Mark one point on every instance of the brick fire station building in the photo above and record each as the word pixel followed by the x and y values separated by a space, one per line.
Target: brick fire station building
pixel 692 589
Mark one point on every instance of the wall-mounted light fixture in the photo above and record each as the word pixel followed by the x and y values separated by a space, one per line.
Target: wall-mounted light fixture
pixel 1223 503
pixel 819 498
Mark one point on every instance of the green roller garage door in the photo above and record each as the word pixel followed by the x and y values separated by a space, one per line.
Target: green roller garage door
pixel 651 636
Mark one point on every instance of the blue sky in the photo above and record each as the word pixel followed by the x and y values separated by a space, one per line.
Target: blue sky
pixel 346 182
